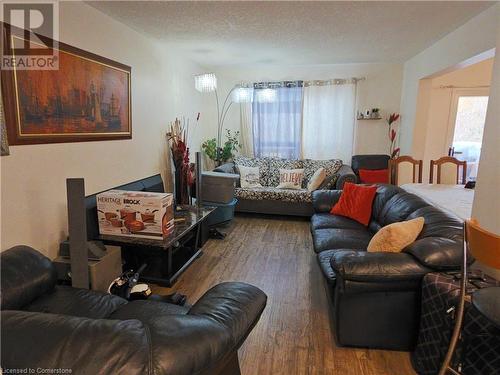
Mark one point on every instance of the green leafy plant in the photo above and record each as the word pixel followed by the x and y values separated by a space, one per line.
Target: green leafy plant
pixel 231 146
pixel 226 151
pixel 210 148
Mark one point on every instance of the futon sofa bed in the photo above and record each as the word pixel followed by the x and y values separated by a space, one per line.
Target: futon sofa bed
pixel 375 296
pixel 269 199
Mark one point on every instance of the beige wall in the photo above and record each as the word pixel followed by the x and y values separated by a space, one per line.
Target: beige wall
pixel 421 118
pixel 486 208
pixel 478 74
pixel 33 193
pixel 434 104
pixel 382 89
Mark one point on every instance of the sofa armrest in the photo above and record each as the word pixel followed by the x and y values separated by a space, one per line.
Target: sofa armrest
pixel 439 253
pixel 380 267
pixel 323 200
pixel 236 306
pixel 346 174
pixel 226 168
pixel 213 329
pixel 25 274
pixel 53 341
pixel 229 168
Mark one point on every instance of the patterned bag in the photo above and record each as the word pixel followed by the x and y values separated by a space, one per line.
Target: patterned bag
pixel 440 296
pixel 481 346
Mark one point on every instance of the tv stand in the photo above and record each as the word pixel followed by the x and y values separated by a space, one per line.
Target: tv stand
pixel 166 259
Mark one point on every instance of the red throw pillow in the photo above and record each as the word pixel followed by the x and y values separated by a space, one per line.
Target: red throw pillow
pixel 374 176
pixel 355 202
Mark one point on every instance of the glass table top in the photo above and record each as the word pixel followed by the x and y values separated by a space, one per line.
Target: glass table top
pixel 186 218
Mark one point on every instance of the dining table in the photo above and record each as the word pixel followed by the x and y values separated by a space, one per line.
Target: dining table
pixel 454 198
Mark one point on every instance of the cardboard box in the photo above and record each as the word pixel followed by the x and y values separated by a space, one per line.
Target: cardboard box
pixel 135 213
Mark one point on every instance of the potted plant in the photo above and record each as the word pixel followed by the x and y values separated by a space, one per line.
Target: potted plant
pixel 226 151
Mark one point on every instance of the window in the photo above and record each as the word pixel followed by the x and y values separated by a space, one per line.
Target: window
pixel 301 119
pixel 276 119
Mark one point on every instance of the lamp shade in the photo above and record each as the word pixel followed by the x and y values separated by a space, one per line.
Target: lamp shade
pixel 266 95
pixel 206 82
pixel 242 94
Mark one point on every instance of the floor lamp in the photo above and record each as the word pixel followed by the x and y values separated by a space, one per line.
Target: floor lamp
pixel 206 83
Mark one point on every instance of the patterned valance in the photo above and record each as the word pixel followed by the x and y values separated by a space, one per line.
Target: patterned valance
pixel 334 81
pixel 280 84
pixel 276 85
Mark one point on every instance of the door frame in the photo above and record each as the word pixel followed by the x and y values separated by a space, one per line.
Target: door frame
pixel 455 95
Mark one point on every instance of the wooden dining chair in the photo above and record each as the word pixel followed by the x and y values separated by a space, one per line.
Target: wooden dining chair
pixel 410 172
pixel 484 246
pixel 445 174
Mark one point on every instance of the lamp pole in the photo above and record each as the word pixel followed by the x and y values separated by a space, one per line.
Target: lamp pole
pixel 221 116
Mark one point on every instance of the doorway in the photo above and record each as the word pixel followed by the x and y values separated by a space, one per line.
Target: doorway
pixel 452 99
pixel 466 126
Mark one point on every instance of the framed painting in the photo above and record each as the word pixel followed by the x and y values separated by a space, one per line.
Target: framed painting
pixel 88 98
pixel 4 149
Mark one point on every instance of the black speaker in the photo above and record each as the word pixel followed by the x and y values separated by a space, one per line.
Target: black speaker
pixel 77 228
pixel 198 170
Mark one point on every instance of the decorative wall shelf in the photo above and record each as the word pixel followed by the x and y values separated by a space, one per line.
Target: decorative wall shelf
pixel 369 118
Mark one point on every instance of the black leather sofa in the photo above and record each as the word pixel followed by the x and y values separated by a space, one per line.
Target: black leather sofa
pixel 47 326
pixel 375 297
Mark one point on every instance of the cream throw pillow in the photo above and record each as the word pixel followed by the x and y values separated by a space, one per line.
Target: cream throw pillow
pixel 316 179
pixel 395 237
pixel 249 177
pixel 291 178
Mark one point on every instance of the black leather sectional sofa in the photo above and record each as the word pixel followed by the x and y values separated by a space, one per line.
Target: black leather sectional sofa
pixel 375 297
pixel 47 326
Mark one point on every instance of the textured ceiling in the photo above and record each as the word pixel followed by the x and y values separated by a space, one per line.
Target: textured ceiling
pixel 306 32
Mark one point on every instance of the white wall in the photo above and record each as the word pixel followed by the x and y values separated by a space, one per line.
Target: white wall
pixel 476 36
pixel 33 195
pixel 382 89
pixel 486 208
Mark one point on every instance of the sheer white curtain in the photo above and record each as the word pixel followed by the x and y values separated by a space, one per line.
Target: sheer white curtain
pixel 328 121
pixel 246 129
pixel 276 118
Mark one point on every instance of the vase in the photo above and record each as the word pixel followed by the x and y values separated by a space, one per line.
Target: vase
pixel 181 187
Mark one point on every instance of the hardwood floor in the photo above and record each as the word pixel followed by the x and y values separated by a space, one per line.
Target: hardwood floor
pixel 293 335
